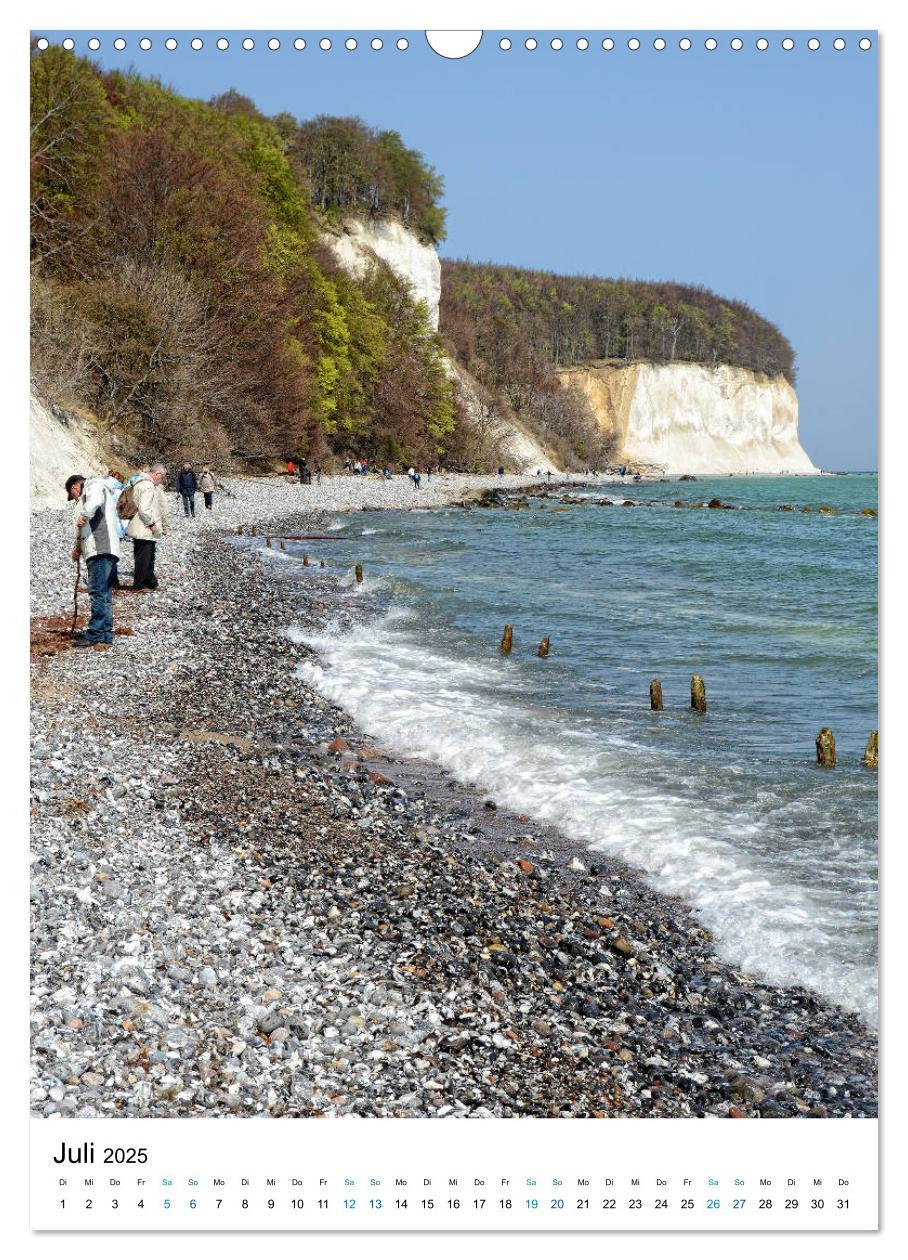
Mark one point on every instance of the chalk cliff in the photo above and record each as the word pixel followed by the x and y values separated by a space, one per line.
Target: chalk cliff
pixel 61 443
pixel 689 418
pixel 405 254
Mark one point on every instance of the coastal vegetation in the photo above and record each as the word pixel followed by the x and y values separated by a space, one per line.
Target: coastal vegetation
pixel 181 289
pixel 514 329
pixel 185 296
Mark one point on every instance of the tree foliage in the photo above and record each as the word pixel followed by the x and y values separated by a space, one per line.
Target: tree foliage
pixel 181 291
pixel 504 319
pixel 353 168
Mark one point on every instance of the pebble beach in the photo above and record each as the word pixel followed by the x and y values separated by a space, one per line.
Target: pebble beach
pixel 242 906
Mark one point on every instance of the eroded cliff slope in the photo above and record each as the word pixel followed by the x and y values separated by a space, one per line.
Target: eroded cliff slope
pixel 690 418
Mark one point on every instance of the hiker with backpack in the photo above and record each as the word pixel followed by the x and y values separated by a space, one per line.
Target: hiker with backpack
pixel 143 506
pixel 98 544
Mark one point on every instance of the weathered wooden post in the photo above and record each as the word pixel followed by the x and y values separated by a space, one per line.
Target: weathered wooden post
pixel 507 639
pixel 321 564
pixel 282 547
pixel 267 540
pixel 543 649
pixel 872 751
pixel 359 573
pixel 826 748
pixel 240 529
pixel 698 694
pixel 254 532
pixel 655 694
pixel 306 561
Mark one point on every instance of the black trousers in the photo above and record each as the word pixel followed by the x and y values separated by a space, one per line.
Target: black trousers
pixel 143 551
pixel 208 494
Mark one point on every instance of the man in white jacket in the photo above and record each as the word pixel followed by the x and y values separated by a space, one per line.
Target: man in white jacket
pixel 98 544
pixel 148 525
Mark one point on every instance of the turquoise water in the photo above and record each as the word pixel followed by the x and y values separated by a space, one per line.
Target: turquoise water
pixel 777 611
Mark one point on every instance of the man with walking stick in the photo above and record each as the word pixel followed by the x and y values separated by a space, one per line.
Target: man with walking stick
pixel 98 544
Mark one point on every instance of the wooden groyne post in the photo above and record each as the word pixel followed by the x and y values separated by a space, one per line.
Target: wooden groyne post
pixel 359 573
pixel 871 756
pixel 697 694
pixel 305 560
pixel 826 748
pixel 507 639
pixel 543 649
pixel 655 694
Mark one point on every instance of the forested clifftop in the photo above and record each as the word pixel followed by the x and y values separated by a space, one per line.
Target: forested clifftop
pixel 516 330
pixel 182 291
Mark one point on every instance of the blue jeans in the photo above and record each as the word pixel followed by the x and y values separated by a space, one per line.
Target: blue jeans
pixel 101 571
pixel 188 502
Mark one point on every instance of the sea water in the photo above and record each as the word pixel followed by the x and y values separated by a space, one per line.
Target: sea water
pixel 777 610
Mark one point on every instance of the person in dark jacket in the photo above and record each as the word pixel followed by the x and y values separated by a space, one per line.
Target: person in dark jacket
pixel 186 488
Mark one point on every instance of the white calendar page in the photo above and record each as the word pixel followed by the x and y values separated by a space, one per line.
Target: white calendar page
pixel 550 806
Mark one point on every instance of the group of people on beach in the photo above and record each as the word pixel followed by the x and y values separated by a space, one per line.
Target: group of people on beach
pixel 305 472
pixel 111 508
pixel 357 468
pixel 188 486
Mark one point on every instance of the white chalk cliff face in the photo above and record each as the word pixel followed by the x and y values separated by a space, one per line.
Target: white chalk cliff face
pixel 689 418
pixel 405 254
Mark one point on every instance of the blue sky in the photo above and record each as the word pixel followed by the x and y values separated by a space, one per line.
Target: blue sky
pixel 753 173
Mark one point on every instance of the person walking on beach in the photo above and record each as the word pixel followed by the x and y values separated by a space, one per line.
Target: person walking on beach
pixel 186 488
pixel 318 474
pixel 148 525
pixel 304 472
pixel 98 544
pixel 207 485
